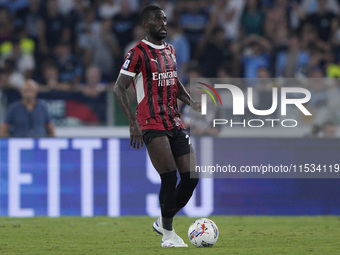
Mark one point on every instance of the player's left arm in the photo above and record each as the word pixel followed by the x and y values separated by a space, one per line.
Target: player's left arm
pixel 185 97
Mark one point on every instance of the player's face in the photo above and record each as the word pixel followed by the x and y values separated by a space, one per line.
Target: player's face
pixel 157 24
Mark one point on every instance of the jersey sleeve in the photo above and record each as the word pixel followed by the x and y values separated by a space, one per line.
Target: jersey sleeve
pixel 132 63
pixel 173 51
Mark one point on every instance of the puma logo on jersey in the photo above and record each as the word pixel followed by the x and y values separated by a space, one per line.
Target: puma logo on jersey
pixel 155 60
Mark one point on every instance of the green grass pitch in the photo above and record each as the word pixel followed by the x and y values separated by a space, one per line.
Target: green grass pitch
pixel 134 235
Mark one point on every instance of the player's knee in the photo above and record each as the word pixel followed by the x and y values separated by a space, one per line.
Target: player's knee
pixel 165 167
pixel 169 179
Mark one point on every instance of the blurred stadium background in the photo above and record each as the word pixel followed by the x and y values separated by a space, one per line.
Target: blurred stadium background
pixel 74 50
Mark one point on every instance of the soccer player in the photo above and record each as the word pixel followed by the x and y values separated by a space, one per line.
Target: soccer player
pixel 151 67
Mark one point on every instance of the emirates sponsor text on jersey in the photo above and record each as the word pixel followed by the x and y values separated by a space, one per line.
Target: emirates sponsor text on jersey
pixel 165 79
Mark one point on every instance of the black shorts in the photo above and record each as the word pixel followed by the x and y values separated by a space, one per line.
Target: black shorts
pixel 178 138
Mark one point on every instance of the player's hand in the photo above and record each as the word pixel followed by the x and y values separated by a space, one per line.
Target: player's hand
pixel 196 106
pixel 136 137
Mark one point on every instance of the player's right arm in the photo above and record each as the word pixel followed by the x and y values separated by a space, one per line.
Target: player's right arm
pixel 129 70
pixel 120 89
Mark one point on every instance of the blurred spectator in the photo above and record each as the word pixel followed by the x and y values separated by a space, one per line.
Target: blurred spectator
pixel 311 6
pixel 50 79
pixel 108 8
pixel 86 28
pixel 194 21
pixel 333 69
pixel 223 71
pixel 308 36
pixel 276 21
pixel 336 35
pixel 103 50
pixel 291 61
pixel 93 86
pixel 65 6
pixel 6 25
pixel 317 57
pixel 70 69
pixel 138 34
pixel 73 18
pixel 135 5
pixel 28 18
pixel 262 98
pixel 50 76
pixel 333 102
pixel 52 29
pixel 252 19
pixel 310 40
pixel 29 117
pixel 315 130
pixel 21 50
pixel 235 62
pixel 322 20
pixel 15 78
pixel 3 79
pixel 319 96
pixel 89 107
pixel 255 54
pixel 329 130
pixel 214 53
pixel 227 14
pixel 264 82
pixel 182 47
pixel 263 73
pixel 167 6
pixel 124 22
pixel 14 5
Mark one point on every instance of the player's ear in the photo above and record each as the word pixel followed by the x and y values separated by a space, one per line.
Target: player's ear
pixel 146 25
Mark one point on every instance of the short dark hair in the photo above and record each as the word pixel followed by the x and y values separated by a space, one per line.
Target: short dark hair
pixel 144 16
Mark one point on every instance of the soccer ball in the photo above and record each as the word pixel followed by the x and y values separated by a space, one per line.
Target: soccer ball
pixel 203 233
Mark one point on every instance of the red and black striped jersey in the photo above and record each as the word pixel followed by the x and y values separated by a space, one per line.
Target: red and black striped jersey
pixel 154 69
